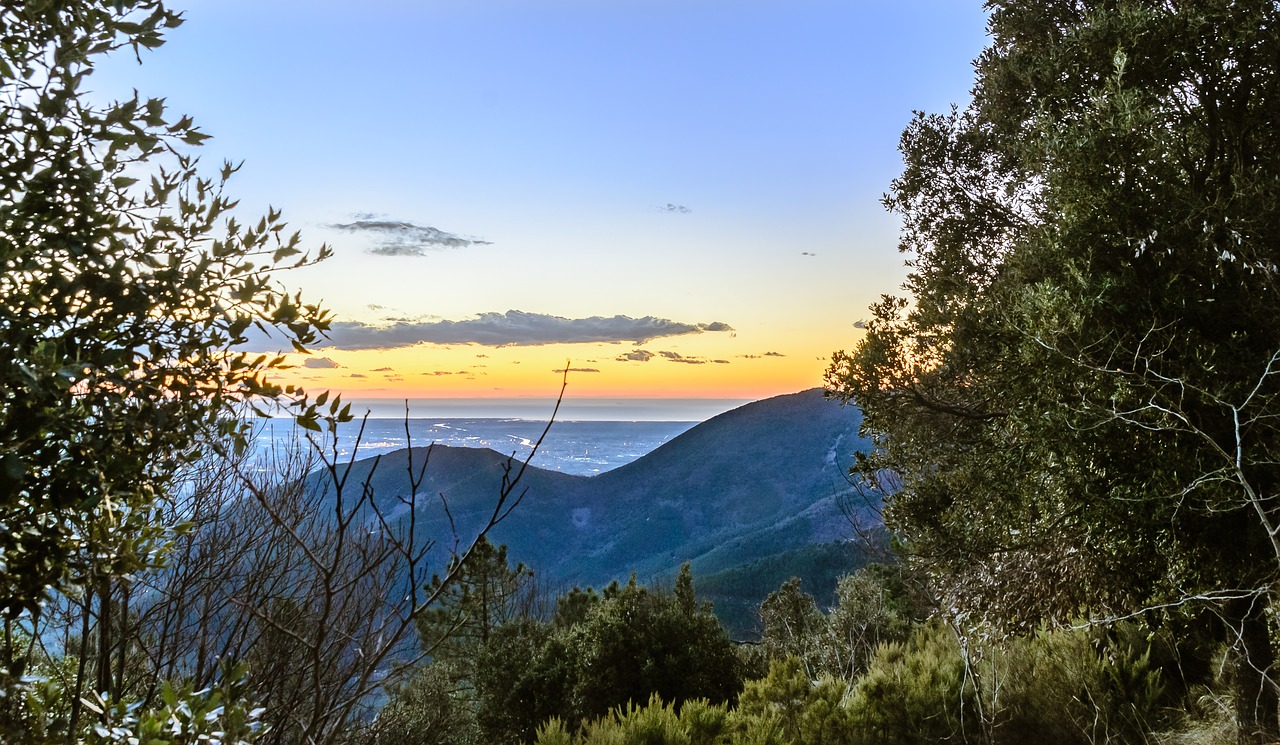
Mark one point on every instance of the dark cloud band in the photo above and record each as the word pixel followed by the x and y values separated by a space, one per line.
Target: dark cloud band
pixel 513 328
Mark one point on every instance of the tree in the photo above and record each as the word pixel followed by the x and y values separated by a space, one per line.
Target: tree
pixel 641 642
pixel 875 605
pixel 1078 404
pixel 603 651
pixel 484 593
pixel 127 287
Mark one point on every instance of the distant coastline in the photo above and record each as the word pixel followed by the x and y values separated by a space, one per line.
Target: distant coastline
pixel 539 409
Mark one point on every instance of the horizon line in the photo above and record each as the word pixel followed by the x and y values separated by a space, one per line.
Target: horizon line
pixel 539 408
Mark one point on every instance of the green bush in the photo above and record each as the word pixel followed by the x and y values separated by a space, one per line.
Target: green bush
pixel 603 652
pixel 696 723
pixel 788 708
pixel 1057 687
pixel 1065 687
pixel 917 693
pixel 427 710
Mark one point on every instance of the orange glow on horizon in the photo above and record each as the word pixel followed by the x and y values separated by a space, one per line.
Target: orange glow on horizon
pixel 539 373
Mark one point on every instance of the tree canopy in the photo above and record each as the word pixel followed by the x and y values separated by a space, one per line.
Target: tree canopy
pixel 128 287
pixel 1077 400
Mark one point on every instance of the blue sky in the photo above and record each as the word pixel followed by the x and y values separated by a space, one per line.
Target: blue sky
pixel 697 182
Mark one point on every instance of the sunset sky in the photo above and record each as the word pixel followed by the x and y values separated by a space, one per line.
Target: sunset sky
pixel 679 197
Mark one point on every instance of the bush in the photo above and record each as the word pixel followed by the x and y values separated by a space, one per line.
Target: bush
pixel 1057 687
pixel 917 693
pixel 601 654
pixel 788 708
pixel 427 710
pixel 1076 686
pixel 696 723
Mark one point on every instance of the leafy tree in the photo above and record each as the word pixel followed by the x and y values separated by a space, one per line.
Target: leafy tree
pixel 127 287
pixel 642 642
pixel 630 643
pixel 525 675
pixel 873 606
pixel 793 625
pixel 1078 404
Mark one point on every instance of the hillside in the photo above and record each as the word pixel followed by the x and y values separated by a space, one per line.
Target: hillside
pixel 750 497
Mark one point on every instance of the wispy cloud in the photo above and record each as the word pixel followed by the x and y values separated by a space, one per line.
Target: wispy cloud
pixel 403 238
pixel 678 209
pixel 514 328
pixel 676 357
pixel 562 370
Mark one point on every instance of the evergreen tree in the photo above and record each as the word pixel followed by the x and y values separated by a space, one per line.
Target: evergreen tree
pixel 1079 398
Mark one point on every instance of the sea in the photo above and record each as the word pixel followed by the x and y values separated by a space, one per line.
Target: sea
pixel 580 448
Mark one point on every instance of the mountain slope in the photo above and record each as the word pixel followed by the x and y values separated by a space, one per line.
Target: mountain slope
pixel 759 486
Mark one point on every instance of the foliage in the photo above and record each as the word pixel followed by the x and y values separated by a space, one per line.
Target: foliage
pixel 1070 687
pixel 1056 687
pixel 214 716
pixel 641 642
pixel 524 675
pixel 603 651
pixel 788 707
pixel 917 692
pixel 484 593
pixel 429 709
pixel 1077 405
pixel 655 723
pixel 873 606
pixel 127 288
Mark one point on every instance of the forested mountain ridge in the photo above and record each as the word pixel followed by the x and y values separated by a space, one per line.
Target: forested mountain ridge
pixel 755 491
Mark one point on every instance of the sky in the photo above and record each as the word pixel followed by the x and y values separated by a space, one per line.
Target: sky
pixel 672 199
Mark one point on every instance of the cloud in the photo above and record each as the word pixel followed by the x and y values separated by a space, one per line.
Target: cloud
pixel 382 369
pixel 562 370
pixel 721 362
pixel 675 357
pixel 513 328
pixel 357 375
pixel 774 354
pixel 402 238
pixel 859 324
pixel 807 253
pixel 678 209
pixel 320 362
pixel 638 355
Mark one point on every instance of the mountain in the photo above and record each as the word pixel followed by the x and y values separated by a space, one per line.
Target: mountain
pixel 750 497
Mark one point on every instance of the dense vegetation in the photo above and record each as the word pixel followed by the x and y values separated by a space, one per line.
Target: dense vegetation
pixel 1076 404
pixel 1074 412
